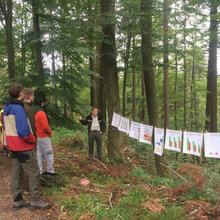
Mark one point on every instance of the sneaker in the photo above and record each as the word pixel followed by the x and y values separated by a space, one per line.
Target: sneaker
pixel 20 204
pixel 39 204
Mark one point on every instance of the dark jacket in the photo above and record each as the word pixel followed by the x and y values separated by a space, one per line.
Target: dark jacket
pixel 31 116
pixel 88 121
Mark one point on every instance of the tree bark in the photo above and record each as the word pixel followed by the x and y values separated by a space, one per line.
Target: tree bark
pixel 37 44
pixel 147 65
pixel 109 65
pixel 127 54
pixel 166 65
pixel 64 82
pixel 211 98
pixel 100 98
pixel 133 82
pixel 184 69
pixel 6 8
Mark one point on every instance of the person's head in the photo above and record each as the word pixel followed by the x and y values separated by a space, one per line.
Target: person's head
pixel 15 91
pixel 95 111
pixel 28 95
pixel 39 101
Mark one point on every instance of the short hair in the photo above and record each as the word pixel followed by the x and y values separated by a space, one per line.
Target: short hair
pixel 15 90
pixel 27 93
pixel 39 100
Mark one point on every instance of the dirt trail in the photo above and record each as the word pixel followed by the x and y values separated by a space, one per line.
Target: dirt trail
pixel 6 212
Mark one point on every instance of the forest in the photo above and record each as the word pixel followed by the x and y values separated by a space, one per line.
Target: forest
pixel 155 62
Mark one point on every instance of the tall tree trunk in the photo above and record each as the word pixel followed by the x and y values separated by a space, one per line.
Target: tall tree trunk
pixel 142 98
pixel 64 84
pixel 100 99
pixel 184 69
pixel 166 65
pixel 91 39
pixel 147 65
pixel 211 99
pixel 176 77
pixel 115 138
pixel 192 89
pixel 6 8
pixel 92 89
pixel 133 82
pixel 127 54
pixel 99 89
pixel 23 49
pixel 37 44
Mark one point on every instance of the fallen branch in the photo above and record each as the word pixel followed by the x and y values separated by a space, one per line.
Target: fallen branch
pixel 129 159
pixel 110 200
pixel 174 172
pixel 193 212
pixel 101 163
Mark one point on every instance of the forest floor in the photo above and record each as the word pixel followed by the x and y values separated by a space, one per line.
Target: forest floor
pixel 6 212
pixel 129 190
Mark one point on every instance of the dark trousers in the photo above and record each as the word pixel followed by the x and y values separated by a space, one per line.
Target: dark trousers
pixel 25 161
pixel 95 136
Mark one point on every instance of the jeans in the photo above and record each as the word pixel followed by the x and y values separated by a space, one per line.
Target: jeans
pixel 45 152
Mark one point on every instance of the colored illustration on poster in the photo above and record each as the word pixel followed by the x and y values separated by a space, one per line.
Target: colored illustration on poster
pixel 124 125
pixel 192 143
pixel 212 145
pixel 173 140
pixel 135 130
pixel 146 134
pixel 158 141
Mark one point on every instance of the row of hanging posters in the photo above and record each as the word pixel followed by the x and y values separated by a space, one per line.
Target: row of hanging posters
pixel 192 141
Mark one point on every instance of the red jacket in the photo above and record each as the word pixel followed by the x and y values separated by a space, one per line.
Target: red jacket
pixel 42 125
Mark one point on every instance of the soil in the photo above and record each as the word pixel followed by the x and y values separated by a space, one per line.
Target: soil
pixel 6 212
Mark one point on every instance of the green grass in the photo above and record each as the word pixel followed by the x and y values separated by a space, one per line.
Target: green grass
pixel 131 198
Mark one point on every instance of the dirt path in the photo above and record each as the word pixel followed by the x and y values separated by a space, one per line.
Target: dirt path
pixel 6 212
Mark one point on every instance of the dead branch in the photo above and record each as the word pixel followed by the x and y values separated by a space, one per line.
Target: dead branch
pixel 174 172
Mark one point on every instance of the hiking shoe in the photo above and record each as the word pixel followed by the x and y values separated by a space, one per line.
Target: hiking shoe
pixel 39 204
pixel 20 204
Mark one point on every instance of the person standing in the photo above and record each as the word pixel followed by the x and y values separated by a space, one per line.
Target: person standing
pixel 43 132
pixel 28 96
pixel 96 128
pixel 28 102
pixel 21 142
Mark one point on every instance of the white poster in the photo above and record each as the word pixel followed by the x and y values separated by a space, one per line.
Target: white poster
pixel 124 125
pixel 146 134
pixel 158 141
pixel 116 120
pixel 173 140
pixel 192 143
pixel 135 130
pixel 212 145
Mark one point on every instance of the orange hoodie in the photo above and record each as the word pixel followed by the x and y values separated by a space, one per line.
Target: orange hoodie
pixel 42 125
